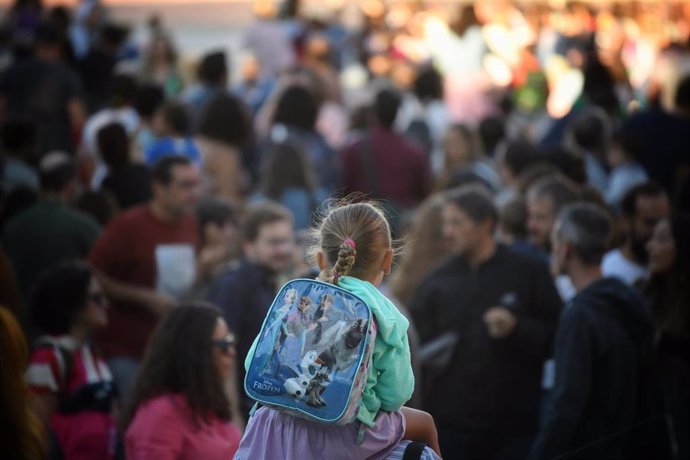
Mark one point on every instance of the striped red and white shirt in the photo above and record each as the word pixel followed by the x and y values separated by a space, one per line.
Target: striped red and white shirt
pixel 84 426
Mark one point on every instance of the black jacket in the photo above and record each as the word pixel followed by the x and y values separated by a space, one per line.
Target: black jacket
pixel 491 385
pixel 602 339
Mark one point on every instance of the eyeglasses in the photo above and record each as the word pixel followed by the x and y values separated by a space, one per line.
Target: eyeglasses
pixel 226 343
pixel 98 298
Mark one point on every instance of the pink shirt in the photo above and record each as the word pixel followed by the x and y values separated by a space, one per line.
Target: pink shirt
pixel 165 429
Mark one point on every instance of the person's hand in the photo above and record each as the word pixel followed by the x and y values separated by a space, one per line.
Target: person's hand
pixel 500 322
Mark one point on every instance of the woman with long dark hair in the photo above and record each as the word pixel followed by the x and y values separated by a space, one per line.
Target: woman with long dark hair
pixel 668 290
pixel 180 409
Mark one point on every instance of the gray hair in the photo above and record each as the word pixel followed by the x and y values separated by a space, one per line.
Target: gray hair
pixel 587 227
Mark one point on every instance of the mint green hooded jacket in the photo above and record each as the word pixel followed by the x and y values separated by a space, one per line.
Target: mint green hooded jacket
pixel 390 382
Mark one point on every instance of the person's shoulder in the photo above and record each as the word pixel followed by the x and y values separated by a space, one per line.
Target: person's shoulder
pixel 82 220
pixel 165 404
pixel 132 217
pixel 17 223
pixel 169 409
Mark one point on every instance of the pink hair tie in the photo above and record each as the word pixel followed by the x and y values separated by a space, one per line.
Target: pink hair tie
pixel 350 243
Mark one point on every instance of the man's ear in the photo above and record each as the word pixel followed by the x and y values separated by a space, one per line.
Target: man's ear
pixel 321 260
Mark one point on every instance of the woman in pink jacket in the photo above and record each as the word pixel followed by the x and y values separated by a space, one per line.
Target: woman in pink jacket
pixel 180 410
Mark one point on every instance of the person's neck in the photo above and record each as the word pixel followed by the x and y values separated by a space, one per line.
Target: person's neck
pixel 160 213
pixel 629 255
pixel 584 275
pixel 481 254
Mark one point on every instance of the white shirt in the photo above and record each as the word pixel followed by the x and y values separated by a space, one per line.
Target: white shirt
pixel 616 265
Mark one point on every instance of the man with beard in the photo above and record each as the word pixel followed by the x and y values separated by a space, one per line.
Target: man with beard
pixel 642 208
pixel 504 308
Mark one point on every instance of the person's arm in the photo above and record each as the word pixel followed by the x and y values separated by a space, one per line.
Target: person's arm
pixel 148 298
pixel 420 427
pixel 77 115
pixel 533 331
pixel 110 256
pixel 395 382
pixel 573 355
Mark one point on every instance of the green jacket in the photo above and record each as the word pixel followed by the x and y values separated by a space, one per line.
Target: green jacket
pixel 391 382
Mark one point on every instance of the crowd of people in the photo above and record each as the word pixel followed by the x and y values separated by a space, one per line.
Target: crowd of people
pixel 532 162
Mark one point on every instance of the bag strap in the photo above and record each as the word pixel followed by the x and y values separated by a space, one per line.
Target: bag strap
pixel 66 358
pixel 414 451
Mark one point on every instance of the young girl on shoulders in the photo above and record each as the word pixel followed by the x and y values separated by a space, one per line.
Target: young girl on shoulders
pixel 354 249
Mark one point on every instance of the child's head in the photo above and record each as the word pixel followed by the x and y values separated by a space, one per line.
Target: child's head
pixel 353 239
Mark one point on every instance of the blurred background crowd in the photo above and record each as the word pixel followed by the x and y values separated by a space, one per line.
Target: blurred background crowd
pixel 136 177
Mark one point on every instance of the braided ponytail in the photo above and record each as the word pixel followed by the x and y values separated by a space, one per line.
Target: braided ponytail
pixel 346 259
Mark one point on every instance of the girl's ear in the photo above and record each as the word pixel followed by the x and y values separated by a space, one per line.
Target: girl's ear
pixel 387 265
pixel 321 260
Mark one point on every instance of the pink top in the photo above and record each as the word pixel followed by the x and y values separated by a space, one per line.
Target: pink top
pixel 165 429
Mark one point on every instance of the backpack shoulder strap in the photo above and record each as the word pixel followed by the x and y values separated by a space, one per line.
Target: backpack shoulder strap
pixel 65 362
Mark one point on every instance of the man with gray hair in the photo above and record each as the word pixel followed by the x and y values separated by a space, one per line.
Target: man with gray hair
pixel 603 337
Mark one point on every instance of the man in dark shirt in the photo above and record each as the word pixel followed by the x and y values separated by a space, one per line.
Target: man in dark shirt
pixel 49 231
pixel 45 90
pixel 603 336
pixel 246 291
pixel 504 308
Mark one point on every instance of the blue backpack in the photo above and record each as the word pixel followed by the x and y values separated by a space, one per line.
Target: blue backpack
pixel 313 353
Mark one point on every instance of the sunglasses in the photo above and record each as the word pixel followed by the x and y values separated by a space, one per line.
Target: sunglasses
pixel 98 298
pixel 226 343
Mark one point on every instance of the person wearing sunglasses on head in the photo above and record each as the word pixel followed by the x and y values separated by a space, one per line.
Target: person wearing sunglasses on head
pixel 180 409
pixel 74 391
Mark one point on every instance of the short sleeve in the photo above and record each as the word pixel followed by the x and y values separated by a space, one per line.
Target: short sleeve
pixel 110 252
pixel 45 369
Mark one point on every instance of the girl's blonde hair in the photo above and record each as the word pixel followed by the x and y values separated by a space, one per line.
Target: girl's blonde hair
pixel 352 237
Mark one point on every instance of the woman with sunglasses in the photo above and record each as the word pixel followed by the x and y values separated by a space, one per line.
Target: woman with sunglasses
pixel 180 409
pixel 72 383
